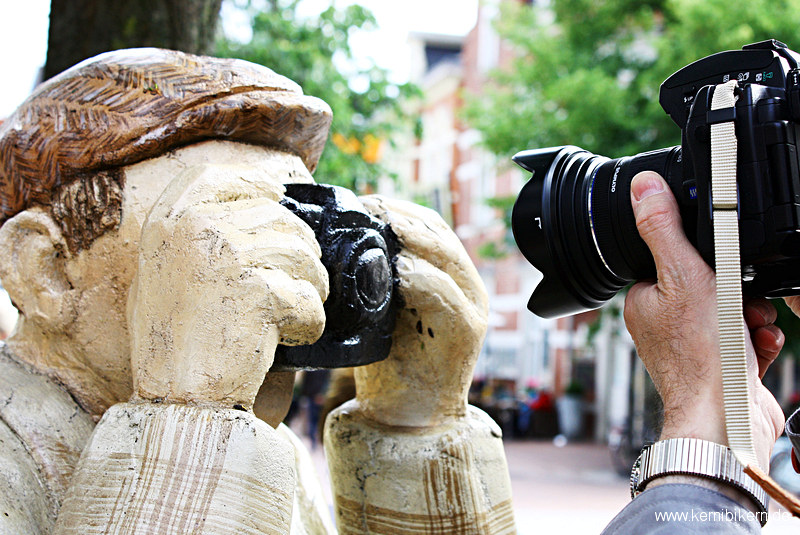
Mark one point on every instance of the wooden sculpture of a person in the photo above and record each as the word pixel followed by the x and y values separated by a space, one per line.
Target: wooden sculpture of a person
pixel 156 272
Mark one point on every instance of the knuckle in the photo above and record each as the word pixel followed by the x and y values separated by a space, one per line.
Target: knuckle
pixel 300 314
pixel 630 313
pixel 655 220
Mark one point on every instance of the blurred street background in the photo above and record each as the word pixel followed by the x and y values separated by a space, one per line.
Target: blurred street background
pixel 431 98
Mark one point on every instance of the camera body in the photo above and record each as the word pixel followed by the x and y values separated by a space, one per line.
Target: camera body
pixel 573 219
pixel 358 251
pixel 766 118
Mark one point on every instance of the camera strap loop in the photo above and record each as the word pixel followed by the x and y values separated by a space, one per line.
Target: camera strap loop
pixel 732 340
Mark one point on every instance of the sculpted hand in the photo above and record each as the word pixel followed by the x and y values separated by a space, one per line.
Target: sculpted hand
pixel 225 274
pixel 439 331
pixel 673 322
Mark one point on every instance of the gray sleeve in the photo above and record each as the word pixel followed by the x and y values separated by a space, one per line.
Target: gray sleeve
pixel 685 509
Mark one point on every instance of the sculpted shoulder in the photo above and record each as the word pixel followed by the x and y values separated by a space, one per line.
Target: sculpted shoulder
pixel 42 416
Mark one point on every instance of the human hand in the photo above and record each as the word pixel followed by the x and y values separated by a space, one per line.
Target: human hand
pixel 673 322
pixel 794 303
pixel 439 330
pixel 225 274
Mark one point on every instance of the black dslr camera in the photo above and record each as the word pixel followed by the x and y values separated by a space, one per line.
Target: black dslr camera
pixel 358 251
pixel 573 220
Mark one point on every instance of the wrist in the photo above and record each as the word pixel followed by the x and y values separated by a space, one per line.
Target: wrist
pixel 413 415
pixel 407 399
pixel 699 417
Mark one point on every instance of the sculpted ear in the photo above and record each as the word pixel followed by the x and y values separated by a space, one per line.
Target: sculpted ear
pixel 32 266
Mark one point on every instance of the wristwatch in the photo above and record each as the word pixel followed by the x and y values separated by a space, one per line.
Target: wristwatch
pixel 694 457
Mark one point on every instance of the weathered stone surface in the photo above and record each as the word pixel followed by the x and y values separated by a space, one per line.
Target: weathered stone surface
pixel 450 478
pixel 172 468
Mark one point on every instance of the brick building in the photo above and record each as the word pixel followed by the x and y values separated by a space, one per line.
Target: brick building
pixel 447 170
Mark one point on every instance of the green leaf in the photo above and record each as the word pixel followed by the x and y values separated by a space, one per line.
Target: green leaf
pixel 315 52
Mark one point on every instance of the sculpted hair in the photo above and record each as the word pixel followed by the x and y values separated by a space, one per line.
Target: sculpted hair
pixel 126 106
pixel 87 208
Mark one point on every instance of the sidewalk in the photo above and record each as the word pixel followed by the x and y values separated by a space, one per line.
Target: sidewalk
pixel 572 489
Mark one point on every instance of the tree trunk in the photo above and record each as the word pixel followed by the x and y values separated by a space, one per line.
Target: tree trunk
pixel 80 29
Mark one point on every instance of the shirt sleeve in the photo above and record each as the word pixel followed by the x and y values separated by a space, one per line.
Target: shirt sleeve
pixel 685 509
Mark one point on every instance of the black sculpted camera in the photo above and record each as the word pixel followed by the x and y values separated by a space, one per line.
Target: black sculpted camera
pixel 358 251
pixel 573 219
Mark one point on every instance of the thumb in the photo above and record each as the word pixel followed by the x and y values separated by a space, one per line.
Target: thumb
pixel 659 223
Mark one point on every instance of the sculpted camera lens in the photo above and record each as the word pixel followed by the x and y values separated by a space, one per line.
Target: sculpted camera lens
pixel 373 278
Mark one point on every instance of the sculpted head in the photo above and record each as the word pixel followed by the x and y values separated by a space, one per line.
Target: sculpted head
pixel 85 158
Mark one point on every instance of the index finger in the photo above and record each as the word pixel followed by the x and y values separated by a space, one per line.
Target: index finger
pixel 215 183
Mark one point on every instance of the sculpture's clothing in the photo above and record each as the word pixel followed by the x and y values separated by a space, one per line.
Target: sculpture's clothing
pixel 449 479
pixel 186 468
pixel 42 434
pixel 174 468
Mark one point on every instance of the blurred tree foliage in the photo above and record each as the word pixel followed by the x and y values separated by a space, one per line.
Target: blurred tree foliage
pixel 587 73
pixel 315 52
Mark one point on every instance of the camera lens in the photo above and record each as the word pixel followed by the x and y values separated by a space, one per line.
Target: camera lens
pixel 361 279
pixel 574 222
pixel 373 278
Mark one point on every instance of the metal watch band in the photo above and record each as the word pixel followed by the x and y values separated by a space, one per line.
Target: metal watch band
pixel 694 457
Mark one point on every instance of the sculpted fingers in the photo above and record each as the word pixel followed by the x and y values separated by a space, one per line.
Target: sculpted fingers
pixel 262 233
pixel 424 234
pixel 205 184
pixel 439 330
pixel 225 274
pixel 261 246
pixel 440 302
pixel 293 305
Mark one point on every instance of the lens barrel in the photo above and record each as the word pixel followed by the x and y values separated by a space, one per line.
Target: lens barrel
pixel 573 221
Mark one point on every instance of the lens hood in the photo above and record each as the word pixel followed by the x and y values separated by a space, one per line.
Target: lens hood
pixel 551 222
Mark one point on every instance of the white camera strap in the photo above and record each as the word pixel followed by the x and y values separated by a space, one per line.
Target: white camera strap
pixel 738 420
pixel 735 387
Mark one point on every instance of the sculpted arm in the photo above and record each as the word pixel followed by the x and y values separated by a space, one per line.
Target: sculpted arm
pixel 409 452
pixel 225 274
